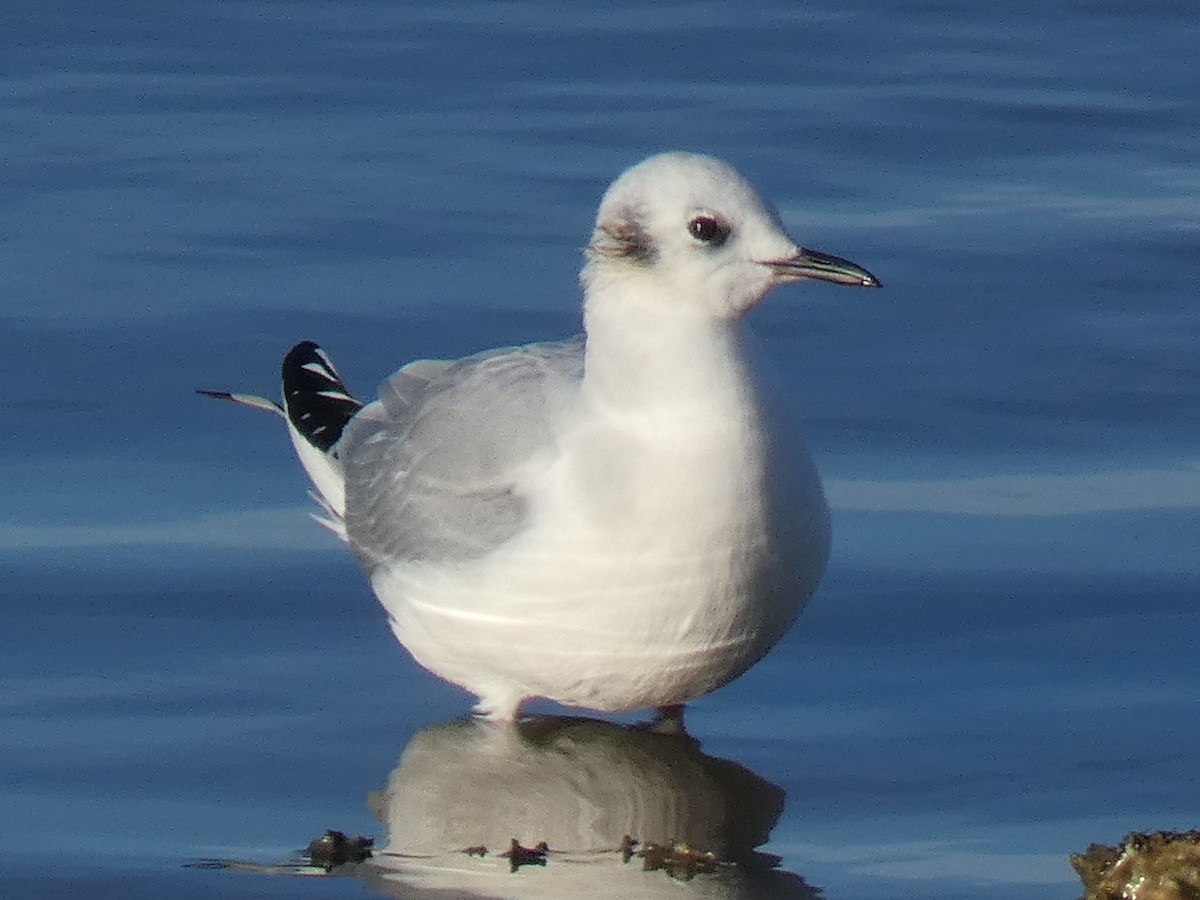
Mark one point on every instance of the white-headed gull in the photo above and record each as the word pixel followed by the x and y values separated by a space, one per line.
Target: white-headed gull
pixel 610 522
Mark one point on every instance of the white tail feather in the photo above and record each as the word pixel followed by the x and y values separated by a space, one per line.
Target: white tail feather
pixel 332 519
pixel 325 472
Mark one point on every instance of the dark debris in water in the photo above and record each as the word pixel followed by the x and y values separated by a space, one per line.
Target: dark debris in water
pixel 1161 865
pixel 628 848
pixel 676 858
pixel 524 856
pixel 333 849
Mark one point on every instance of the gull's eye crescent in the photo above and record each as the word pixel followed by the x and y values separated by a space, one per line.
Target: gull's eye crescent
pixel 708 230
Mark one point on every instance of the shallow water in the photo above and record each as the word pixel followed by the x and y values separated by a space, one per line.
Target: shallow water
pixel 999 667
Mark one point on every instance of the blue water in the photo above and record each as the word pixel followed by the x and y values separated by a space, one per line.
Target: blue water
pixel 1000 666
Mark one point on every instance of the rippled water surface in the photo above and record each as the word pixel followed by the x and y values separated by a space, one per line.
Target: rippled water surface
pixel 1000 666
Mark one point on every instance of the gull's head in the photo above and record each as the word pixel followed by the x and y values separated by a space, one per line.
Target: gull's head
pixel 686 228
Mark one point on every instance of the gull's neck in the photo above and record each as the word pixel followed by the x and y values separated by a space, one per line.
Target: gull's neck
pixel 651 353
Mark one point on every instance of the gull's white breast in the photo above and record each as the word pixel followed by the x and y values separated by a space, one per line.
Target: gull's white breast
pixel 652 569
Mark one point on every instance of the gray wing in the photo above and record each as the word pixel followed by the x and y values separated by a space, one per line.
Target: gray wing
pixel 433 467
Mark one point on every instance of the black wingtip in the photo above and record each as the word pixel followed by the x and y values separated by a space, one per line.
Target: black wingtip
pixel 318 403
pixel 303 352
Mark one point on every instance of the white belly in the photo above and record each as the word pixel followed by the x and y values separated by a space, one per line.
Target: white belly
pixel 624 597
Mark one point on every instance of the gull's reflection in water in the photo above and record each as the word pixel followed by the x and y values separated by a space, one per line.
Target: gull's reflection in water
pixel 581 786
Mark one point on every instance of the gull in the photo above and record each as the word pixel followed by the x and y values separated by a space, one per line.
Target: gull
pixel 618 521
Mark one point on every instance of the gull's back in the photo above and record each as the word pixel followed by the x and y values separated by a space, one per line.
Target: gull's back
pixel 435 468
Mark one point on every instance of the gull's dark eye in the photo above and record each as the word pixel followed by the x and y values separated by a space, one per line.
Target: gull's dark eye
pixel 708 230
